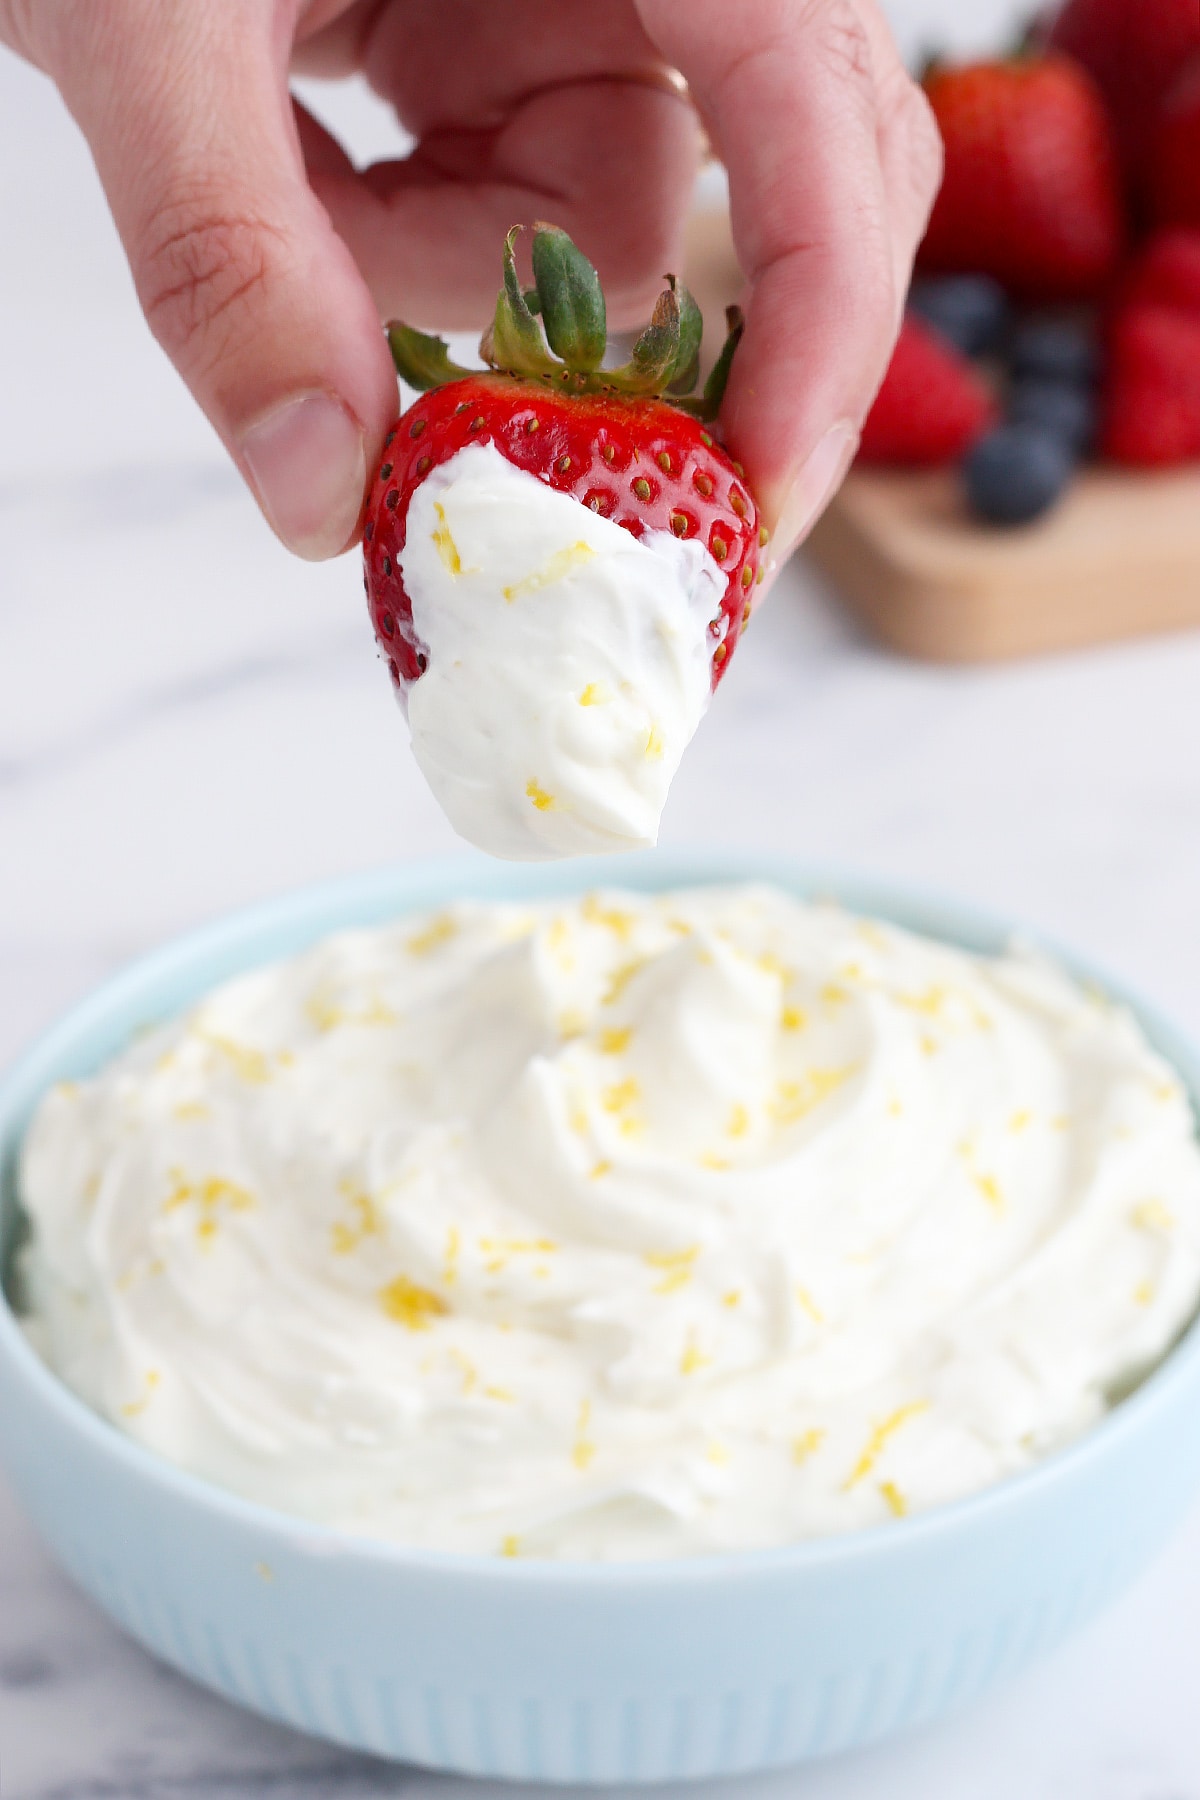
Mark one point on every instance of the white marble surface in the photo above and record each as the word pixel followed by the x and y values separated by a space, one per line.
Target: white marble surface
pixel 189 720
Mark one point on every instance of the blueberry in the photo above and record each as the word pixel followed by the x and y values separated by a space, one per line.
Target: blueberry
pixel 1054 350
pixel 1015 473
pixel 1066 411
pixel 970 310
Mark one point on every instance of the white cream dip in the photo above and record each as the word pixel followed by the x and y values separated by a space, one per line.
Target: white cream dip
pixel 637 1226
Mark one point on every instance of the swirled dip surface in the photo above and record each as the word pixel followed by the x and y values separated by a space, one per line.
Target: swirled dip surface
pixel 569 663
pixel 625 1227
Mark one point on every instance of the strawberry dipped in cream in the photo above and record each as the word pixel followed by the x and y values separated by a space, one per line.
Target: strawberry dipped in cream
pixel 560 559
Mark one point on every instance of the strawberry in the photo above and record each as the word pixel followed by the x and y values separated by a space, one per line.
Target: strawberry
pixel 1152 402
pixel 932 405
pixel 1173 169
pixel 1166 271
pixel 1133 50
pixel 628 443
pixel 1030 194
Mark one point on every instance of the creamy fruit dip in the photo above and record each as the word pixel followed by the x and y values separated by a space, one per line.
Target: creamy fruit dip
pixel 631 1226
pixel 569 663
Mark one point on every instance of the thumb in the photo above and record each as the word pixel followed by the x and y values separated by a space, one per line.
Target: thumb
pixel 243 280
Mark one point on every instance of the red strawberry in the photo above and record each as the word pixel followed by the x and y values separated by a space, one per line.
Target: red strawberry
pixel 611 438
pixel 1152 402
pixel 932 405
pixel 1030 194
pixel 1133 49
pixel 1173 169
pixel 1166 271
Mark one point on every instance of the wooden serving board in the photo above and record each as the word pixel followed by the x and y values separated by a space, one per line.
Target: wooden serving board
pixel 1118 557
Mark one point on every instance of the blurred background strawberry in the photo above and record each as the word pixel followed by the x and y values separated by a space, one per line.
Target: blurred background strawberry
pixel 1134 51
pixel 1031 193
pixel 1173 163
pixel 933 404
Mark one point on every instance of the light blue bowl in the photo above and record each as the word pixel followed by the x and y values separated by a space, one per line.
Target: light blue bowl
pixel 571 1672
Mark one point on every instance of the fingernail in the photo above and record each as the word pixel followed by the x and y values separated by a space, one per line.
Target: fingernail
pixel 307 462
pixel 813 486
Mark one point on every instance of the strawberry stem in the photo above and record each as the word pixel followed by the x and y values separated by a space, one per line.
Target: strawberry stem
pixel 708 404
pixel 686 367
pixel 572 303
pixel 566 344
pixel 422 361
pixel 516 341
pixel 653 356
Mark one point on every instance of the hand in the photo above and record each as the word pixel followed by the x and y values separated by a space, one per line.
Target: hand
pixel 264 261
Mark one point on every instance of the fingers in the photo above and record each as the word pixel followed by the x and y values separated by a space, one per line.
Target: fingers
pixel 826 212
pixel 241 277
pixel 426 232
pixel 910 146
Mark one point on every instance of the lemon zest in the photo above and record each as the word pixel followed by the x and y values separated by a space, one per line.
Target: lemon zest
pixel 409 1305
pixel 794 1100
pixel 807 1444
pixel 444 543
pixel 134 1407
pixel 1153 1215
pixel 541 799
pixel 560 564
pixel 878 1440
pixel 809 1305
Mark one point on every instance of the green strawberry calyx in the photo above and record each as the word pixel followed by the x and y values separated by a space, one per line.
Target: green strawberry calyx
pixel 557 332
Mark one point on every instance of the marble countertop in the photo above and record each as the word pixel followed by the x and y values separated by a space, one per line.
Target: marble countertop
pixel 189 720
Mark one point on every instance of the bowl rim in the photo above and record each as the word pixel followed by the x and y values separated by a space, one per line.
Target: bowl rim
pixel 302 915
